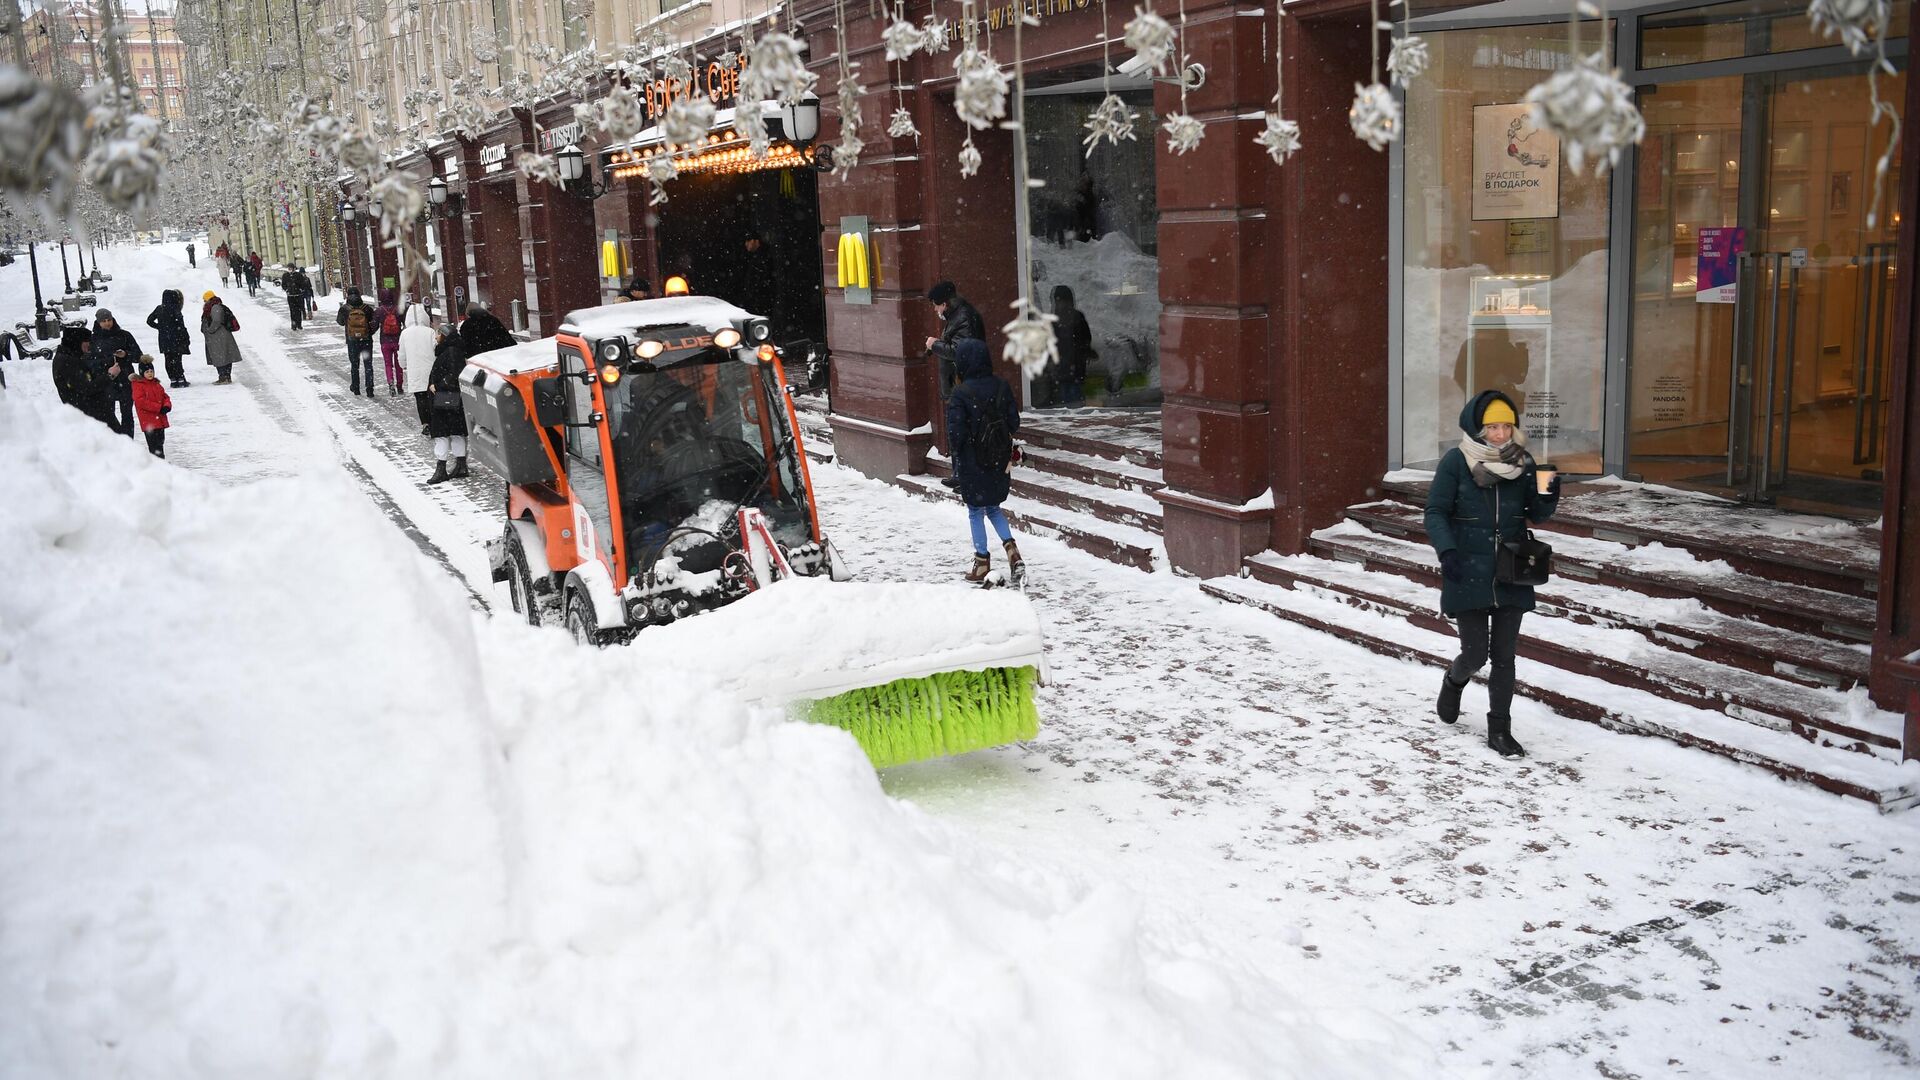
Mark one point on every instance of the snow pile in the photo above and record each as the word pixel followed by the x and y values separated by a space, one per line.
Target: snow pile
pixel 273 803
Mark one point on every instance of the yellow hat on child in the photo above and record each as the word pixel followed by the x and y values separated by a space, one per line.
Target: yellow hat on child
pixel 1497 412
pixel 208 295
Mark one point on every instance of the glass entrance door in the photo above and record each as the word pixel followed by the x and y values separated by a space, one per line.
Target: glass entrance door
pixel 1776 386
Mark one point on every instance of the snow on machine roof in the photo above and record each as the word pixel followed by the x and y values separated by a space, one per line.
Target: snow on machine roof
pixel 610 320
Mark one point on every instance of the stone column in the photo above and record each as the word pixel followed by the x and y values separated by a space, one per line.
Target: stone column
pixel 1214 293
pixel 559 250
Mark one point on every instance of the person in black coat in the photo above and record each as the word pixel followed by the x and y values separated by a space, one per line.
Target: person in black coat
pixel 959 320
pixel 448 421
pixel 982 416
pixel 75 378
pixel 481 332
pixel 1066 381
pixel 115 347
pixel 297 287
pixel 1485 492
pixel 170 320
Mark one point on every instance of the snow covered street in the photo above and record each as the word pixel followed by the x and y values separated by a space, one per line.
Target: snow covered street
pixel 1238 848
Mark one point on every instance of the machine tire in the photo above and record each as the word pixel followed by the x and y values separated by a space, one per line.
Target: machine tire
pixel 580 619
pixel 520 579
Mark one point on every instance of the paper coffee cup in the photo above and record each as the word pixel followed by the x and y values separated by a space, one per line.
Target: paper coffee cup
pixel 1543 475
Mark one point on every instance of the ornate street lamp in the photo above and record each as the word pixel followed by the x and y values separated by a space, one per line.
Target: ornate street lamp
pixel 437 192
pixel 800 121
pixel 347 213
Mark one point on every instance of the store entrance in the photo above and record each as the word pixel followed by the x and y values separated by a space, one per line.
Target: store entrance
pixel 753 240
pixel 1763 301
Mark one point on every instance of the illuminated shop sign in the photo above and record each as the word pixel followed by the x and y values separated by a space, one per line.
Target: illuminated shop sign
pixel 493 158
pixel 720 83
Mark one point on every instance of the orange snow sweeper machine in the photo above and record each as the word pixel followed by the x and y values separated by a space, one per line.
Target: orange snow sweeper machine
pixel 655 472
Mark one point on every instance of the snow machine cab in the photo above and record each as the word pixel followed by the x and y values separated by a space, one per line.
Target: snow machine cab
pixel 653 461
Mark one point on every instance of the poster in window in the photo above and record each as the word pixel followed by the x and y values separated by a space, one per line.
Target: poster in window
pixel 1516 166
pixel 1717 273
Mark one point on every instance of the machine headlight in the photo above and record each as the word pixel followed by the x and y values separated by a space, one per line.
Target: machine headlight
pixel 760 329
pixel 650 349
pixel 609 352
pixel 727 338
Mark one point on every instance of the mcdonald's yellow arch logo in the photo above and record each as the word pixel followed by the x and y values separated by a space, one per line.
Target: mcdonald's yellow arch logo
pixel 854 271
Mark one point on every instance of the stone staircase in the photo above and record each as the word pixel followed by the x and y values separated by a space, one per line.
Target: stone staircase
pixel 1710 624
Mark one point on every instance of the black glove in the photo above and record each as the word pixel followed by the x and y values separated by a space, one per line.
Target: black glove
pixel 1553 487
pixel 1453 566
pixel 165 409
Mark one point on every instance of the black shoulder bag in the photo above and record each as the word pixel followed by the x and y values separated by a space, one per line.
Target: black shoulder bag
pixel 1526 561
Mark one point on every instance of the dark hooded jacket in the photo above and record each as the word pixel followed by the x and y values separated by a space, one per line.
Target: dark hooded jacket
pixel 76 380
pixel 118 339
pixel 171 321
pixel 979 396
pixel 1465 517
pixel 449 360
pixel 355 302
pixel 481 332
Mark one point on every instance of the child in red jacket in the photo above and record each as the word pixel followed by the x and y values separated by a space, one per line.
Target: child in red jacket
pixel 151 406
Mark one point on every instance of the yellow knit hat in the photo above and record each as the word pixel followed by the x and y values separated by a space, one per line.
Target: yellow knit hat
pixel 1497 412
pixel 208 295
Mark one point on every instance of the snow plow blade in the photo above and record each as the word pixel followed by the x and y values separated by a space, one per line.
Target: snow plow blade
pixel 912 672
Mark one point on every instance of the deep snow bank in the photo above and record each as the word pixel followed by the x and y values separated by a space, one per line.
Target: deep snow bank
pixel 274 803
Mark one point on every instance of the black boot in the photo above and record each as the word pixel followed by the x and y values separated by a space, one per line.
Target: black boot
pixel 459 468
pixel 1449 704
pixel 1500 737
pixel 439 473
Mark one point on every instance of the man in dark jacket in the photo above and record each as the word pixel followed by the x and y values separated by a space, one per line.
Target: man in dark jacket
pixel 254 266
pixel 77 381
pixel 356 315
pixel 295 284
pixel 190 259
pixel 958 320
pixel 114 347
pixel 981 419
pixel 481 332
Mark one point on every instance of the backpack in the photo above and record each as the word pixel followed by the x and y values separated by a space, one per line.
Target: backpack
pixel 390 325
pixel 990 439
pixel 357 323
pixel 233 324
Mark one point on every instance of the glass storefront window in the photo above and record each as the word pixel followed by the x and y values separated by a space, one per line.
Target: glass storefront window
pixel 1505 278
pixel 1742 28
pixel 1095 253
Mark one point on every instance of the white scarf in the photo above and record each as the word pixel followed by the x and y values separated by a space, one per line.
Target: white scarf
pixel 1492 464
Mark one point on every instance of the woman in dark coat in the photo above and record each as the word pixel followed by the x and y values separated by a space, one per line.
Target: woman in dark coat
pixel 1484 493
pixel 113 345
pixel 1075 340
pixel 447 424
pixel 981 400
pixel 481 332
pixel 170 320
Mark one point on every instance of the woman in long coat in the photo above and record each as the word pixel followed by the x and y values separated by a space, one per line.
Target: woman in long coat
pixel 448 425
pixel 1484 493
pixel 217 325
pixel 416 360
pixel 169 319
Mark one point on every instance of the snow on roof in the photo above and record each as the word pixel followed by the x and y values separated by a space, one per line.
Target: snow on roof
pixel 526 356
pixel 610 320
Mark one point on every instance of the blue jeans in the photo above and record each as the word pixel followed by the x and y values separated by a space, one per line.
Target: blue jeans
pixel 977 518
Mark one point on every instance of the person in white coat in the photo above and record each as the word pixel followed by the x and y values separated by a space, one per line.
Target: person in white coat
pixel 416 359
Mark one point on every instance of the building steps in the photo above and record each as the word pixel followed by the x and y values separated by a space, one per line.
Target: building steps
pixel 1041 483
pixel 1785 753
pixel 1110 540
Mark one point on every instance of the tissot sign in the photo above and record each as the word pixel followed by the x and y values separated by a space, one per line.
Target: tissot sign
pixel 554 138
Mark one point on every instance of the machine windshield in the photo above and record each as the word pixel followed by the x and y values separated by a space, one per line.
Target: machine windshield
pixel 694 443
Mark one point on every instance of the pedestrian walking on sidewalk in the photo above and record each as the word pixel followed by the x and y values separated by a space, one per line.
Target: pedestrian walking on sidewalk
pixel 417 340
pixel 1485 493
pixel 170 320
pixel 298 288
pixel 254 266
pixel 447 422
pixel 114 346
pixel 387 317
pixel 77 380
pixel 356 315
pixel 223 262
pixel 217 326
pixel 190 259
pixel 981 420
pixel 151 404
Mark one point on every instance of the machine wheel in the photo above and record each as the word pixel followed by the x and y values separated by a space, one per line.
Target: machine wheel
pixel 520 579
pixel 580 621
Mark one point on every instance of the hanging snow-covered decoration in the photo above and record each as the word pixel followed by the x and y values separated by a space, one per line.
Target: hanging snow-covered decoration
pixel 1858 23
pixel 687 119
pixel 675 68
pixel 1152 38
pixel 620 114
pixel 1280 139
pixel 901 125
pixel 41 143
pixel 777 71
pixel 969 158
pixel 903 39
pixel 1183 133
pixel 1591 111
pixel 129 154
pixel 541 167
pixel 937 35
pixel 275 58
pixel 1030 339
pixel 482 45
pixel 1374 115
pixel 659 171
pixel 1110 121
pixel 846 153
pixel 397 202
pixel 981 96
pixel 1408 59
